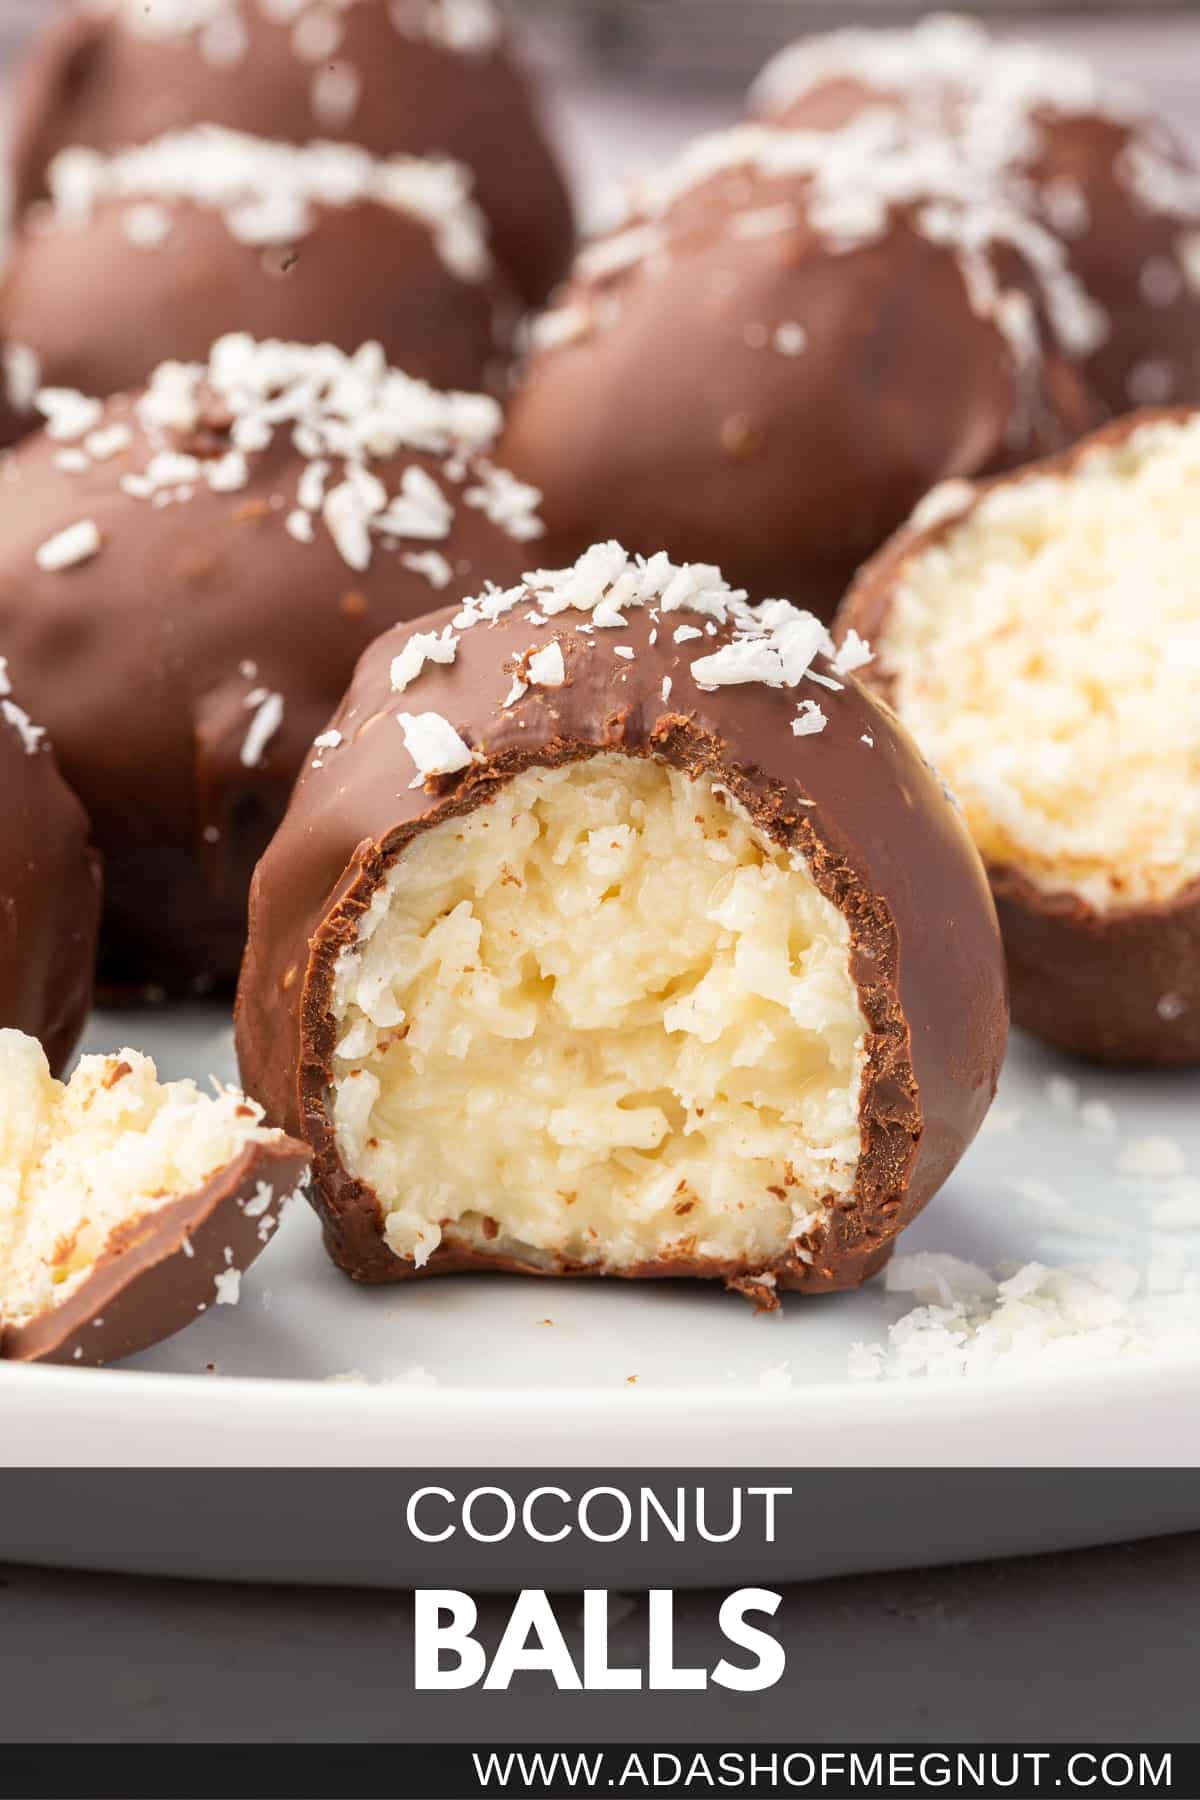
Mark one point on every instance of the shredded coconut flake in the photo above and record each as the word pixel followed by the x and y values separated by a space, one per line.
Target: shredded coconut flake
pixel 343 415
pixel 809 720
pixel 434 745
pixel 68 414
pixel 546 667
pixel 973 1323
pixel 76 544
pixel 424 647
pixel 228 1286
pixel 268 717
pixel 269 193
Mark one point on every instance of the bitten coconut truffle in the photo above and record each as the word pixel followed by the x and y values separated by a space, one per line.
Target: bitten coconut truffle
pixel 1081 153
pixel 127 1208
pixel 187 580
pixel 418 77
pixel 49 890
pixel 791 339
pixel 615 930
pixel 1041 638
pixel 208 231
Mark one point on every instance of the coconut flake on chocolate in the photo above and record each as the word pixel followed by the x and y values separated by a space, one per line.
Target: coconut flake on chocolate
pixel 594 994
pixel 1077 151
pixel 418 77
pixel 74 544
pixel 855 182
pixel 469 27
pixel 433 744
pixel 792 468
pixel 350 409
pixel 108 1181
pixel 267 192
pixel 1003 85
pixel 183 604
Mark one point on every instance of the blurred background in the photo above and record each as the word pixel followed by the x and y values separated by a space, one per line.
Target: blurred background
pixel 630 80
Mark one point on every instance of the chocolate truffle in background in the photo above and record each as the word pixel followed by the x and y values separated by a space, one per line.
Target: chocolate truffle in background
pixel 1081 152
pixel 1041 639
pixel 617 930
pixel 49 890
pixel 187 579
pixel 127 1208
pixel 791 339
pixel 208 231
pixel 420 77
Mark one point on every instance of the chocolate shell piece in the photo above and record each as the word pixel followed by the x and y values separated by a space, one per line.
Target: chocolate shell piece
pixel 207 231
pixel 187 579
pixel 49 889
pixel 126 1208
pixel 792 337
pixel 419 77
pixel 1080 152
pixel 1039 636
pixel 616 930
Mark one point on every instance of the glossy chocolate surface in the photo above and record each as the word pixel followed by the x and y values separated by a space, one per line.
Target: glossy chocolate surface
pixel 870 819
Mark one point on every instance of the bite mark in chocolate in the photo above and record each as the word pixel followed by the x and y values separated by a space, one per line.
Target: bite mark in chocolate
pixel 641 956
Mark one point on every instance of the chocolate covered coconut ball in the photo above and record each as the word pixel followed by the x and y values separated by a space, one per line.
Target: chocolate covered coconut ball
pixel 1041 639
pixel 208 231
pixel 1082 153
pixel 790 340
pixel 49 889
pixel 420 77
pixel 187 579
pixel 127 1207
pixel 616 930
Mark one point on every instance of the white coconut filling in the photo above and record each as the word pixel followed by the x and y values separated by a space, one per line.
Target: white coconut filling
pixel 601 1018
pixel 78 1161
pixel 1047 657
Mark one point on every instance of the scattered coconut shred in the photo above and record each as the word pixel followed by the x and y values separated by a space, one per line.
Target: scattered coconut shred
pixel 849 188
pixel 268 193
pixel 775 643
pixel 466 27
pixel 219 31
pixel 344 416
pixel 80 1161
pixel 1038 1317
pixel 970 1322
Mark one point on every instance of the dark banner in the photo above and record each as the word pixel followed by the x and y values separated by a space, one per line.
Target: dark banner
pixel 580 1772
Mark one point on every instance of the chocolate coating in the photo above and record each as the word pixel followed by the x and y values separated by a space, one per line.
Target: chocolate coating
pixel 143 661
pixel 49 899
pixel 682 415
pixel 92 80
pixel 1077 144
pixel 147 1285
pixel 1120 986
pixel 362 273
pixel 878 836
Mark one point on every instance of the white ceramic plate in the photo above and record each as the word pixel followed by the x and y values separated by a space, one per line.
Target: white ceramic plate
pixel 499 1370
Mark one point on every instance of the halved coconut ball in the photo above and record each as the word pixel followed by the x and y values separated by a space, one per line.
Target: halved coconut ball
pixel 615 930
pixel 127 1207
pixel 1041 638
